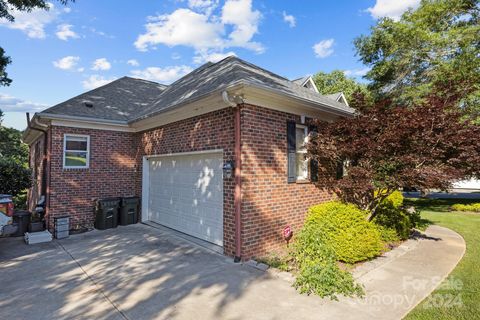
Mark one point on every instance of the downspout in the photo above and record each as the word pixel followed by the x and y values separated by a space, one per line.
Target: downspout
pixel 237 200
pixel 43 188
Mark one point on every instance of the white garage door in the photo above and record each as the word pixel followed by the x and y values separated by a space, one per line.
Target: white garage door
pixel 185 193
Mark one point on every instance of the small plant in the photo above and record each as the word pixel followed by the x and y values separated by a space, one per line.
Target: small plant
pixel 276 261
pixel 473 207
pixel 317 268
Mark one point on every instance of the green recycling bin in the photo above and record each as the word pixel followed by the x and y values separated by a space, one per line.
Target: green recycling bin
pixel 106 213
pixel 129 210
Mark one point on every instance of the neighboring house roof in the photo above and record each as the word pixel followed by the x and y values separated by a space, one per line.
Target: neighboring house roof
pixel 307 82
pixel 338 96
pixel 121 100
pixel 129 100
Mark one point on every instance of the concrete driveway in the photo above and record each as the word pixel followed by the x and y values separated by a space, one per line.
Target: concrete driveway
pixel 140 272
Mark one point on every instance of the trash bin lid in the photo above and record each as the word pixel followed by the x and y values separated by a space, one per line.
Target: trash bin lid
pixel 130 200
pixel 21 213
pixel 108 202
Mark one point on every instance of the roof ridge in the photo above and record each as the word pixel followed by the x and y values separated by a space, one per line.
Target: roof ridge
pixel 255 67
pixel 83 93
pixel 141 79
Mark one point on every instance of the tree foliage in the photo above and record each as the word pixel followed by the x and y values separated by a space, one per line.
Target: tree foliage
pixel 337 81
pixel 433 49
pixel 6 7
pixel 15 176
pixel 388 147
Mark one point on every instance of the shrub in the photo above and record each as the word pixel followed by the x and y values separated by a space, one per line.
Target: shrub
pixel 392 216
pixel 14 177
pixel 395 199
pixel 388 235
pixel 345 228
pixel 318 271
pixel 474 207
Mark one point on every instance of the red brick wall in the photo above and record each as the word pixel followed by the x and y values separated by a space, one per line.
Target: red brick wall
pixel 269 203
pixel 111 174
pixel 214 130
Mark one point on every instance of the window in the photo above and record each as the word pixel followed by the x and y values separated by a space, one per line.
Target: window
pixel 76 149
pixel 301 138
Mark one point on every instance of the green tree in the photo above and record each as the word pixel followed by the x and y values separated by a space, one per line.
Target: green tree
pixel 337 81
pixel 434 49
pixel 15 176
pixel 6 6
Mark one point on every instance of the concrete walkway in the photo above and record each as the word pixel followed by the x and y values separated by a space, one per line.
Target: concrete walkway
pixel 139 272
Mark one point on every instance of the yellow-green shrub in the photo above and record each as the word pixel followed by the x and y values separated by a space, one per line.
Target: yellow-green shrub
pixel 344 227
pixel 391 216
pixel 317 268
pixel 473 207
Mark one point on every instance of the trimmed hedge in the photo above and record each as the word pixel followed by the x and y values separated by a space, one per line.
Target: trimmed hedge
pixel 345 228
pixel 473 207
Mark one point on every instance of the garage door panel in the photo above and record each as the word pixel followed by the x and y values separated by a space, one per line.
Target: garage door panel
pixel 186 194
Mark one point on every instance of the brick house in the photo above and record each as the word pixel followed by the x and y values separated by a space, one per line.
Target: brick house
pixel 173 145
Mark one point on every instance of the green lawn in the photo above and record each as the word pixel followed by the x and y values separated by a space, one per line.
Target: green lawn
pixel 460 300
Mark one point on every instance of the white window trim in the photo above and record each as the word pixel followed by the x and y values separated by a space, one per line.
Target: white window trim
pixel 65 150
pixel 305 130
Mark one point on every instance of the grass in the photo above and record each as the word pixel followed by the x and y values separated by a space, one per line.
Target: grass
pixel 461 299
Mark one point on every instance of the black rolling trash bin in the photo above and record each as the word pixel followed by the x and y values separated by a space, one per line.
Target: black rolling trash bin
pixel 106 213
pixel 22 219
pixel 129 210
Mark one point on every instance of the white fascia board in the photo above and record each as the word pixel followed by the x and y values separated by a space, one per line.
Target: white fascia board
pixel 273 99
pixel 91 125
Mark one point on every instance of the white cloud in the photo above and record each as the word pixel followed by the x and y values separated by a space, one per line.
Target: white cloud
pixel 64 31
pixel 195 28
pixel 245 22
pixel 356 72
pixel 133 63
pixel 206 6
pixel 324 48
pixel 164 75
pixel 67 63
pixel 101 64
pixel 288 18
pixel 67 10
pixel 32 23
pixel 182 27
pixel 391 8
pixel 95 81
pixel 12 104
pixel 203 57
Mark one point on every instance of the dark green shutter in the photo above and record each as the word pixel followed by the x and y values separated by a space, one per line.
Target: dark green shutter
pixel 339 169
pixel 291 152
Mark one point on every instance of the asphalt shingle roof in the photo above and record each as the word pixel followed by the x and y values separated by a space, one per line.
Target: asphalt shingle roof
pixel 120 100
pixel 130 99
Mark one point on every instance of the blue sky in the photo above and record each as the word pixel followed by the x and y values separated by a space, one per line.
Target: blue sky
pixel 68 50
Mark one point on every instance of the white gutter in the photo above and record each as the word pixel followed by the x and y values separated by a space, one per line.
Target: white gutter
pixel 51 116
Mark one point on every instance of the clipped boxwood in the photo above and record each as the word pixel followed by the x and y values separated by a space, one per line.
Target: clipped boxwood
pixel 474 207
pixel 345 229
